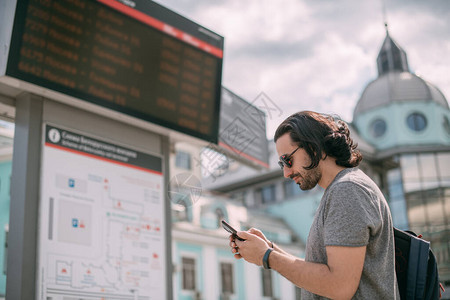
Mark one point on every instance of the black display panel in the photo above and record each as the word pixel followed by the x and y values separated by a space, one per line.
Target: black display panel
pixel 142 60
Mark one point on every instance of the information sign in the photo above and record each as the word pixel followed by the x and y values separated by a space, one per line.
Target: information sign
pixel 101 232
pixel 140 59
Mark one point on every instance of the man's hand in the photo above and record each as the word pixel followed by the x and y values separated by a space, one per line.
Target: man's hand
pixel 252 249
pixel 259 233
pixel 234 248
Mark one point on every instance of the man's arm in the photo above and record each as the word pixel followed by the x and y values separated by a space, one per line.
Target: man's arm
pixel 339 279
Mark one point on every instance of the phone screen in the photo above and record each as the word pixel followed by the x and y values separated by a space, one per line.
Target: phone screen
pixel 231 230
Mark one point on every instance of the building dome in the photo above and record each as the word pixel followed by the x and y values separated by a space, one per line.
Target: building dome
pixel 395 83
pixel 399 111
pixel 398 87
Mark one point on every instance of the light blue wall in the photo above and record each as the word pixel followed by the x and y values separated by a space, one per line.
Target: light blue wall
pixel 241 281
pixel 5 181
pixel 222 254
pixel 298 213
pixel 397 132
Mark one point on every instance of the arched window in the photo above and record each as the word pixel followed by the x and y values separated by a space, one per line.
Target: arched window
pixel 416 121
pixel 220 216
pixel 378 128
pixel 446 123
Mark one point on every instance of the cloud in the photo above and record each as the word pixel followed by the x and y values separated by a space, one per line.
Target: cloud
pixel 321 54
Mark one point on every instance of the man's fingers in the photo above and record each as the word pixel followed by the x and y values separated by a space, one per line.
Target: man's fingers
pixel 243 234
pixel 254 230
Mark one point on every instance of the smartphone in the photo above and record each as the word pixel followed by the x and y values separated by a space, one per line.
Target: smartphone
pixel 231 230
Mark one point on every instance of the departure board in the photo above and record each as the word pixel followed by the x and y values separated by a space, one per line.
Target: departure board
pixel 135 57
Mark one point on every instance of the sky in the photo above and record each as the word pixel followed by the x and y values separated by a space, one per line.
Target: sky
pixel 320 54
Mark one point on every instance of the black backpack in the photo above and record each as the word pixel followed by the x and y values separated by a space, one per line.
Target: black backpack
pixel 416 267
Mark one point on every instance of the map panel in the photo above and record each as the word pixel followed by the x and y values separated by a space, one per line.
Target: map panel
pixel 101 233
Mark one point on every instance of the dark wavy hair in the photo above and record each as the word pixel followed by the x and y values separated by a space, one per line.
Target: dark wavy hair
pixel 321 134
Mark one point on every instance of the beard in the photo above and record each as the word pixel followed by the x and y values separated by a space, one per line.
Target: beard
pixel 309 179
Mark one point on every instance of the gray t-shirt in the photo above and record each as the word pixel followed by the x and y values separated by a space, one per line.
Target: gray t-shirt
pixel 354 213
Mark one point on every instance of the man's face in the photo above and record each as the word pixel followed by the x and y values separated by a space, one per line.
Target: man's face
pixel 306 179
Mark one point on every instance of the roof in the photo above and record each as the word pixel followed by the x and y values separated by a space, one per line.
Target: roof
pixel 391 57
pixel 398 87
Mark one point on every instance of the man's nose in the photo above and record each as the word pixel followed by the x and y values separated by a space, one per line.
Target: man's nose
pixel 287 172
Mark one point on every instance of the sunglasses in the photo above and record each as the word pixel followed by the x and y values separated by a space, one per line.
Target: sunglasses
pixel 285 160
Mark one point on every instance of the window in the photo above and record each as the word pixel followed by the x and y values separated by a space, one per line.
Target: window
pixel 383 64
pixel 378 128
pixel 416 121
pixel 425 179
pixel 446 124
pixel 298 293
pixel 226 274
pixel 266 194
pixel 239 196
pixel 435 210
pixel 410 173
pixel 397 202
pixel 183 160
pixel 213 163
pixel 443 161
pixel 416 212
pixel 428 171
pixel 267 283
pixel 188 265
pixel 180 211
pixel 220 216
pixel 291 189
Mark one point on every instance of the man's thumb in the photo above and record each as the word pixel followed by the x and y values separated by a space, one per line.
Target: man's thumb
pixel 243 234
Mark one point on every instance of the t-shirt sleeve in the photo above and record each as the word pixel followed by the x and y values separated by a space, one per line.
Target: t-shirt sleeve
pixel 349 216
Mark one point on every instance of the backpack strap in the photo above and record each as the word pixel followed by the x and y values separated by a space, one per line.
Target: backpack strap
pixel 433 285
pixel 417 268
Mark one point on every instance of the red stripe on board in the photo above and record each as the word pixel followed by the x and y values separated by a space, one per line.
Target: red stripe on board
pixel 243 154
pixel 102 158
pixel 161 26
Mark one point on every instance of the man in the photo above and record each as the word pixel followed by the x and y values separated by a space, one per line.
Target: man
pixel 350 247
